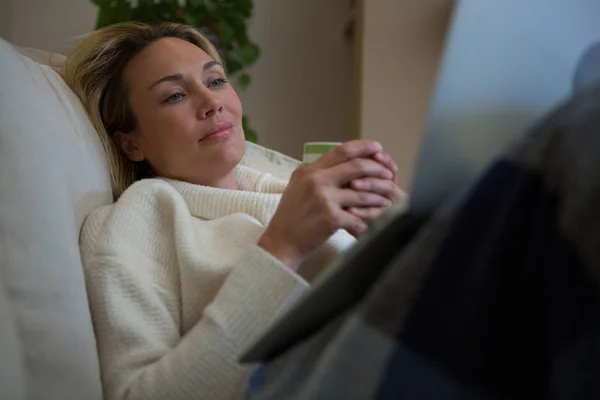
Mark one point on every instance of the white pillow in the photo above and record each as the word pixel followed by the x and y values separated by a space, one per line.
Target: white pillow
pixel 51 59
pixel 271 161
pixel 53 172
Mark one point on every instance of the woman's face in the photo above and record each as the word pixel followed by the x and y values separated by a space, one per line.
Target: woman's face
pixel 189 118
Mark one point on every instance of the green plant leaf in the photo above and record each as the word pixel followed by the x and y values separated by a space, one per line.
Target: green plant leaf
pixel 191 19
pixel 232 62
pixel 244 55
pixel 123 11
pixel 250 53
pixel 249 133
pixel 227 33
pixel 243 82
pixel 105 16
pixel 195 3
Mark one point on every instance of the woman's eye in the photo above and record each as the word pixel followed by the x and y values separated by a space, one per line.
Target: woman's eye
pixel 174 97
pixel 218 82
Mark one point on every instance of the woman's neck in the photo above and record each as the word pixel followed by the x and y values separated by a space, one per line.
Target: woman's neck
pixel 227 182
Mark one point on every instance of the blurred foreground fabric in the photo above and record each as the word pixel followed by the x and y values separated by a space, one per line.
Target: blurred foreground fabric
pixel 496 297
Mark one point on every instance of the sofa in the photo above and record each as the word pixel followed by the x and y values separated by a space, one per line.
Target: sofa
pixel 53 173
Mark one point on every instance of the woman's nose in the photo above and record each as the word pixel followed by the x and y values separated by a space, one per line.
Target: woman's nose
pixel 210 104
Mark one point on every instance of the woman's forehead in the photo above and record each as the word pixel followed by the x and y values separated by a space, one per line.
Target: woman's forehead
pixel 166 56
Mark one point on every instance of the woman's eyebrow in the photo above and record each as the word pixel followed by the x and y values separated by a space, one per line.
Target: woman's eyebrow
pixel 167 78
pixel 211 64
pixel 179 77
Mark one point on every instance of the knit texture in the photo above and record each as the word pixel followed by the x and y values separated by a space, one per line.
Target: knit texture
pixel 178 287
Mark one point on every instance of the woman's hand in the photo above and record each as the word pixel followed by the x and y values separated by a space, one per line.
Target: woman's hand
pixel 384 187
pixel 314 205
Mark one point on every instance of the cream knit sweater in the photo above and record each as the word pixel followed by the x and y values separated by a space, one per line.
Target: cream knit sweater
pixel 178 287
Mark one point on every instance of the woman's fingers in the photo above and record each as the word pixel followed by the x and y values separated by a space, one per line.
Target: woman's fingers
pixel 384 187
pixel 352 223
pixel 351 198
pixel 344 173
pixel 367 213
pixel 389 163
pixel 347 151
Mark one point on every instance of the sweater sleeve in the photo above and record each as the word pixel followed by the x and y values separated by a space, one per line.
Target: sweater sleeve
pixel 142 352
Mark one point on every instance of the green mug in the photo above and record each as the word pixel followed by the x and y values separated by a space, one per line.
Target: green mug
pixel 314 150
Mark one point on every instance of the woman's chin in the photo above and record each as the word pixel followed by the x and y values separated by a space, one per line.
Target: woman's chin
pixel 230 150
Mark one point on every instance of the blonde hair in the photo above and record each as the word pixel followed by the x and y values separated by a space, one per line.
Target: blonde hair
pixel 94 71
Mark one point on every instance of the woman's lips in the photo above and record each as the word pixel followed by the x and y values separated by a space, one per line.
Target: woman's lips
pixel 219 132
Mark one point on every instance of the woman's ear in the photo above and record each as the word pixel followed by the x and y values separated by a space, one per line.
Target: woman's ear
pixel 128 144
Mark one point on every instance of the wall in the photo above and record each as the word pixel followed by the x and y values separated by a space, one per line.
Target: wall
pixel 5 18
pixel 302 85
pixel 400 44
pixel 50 24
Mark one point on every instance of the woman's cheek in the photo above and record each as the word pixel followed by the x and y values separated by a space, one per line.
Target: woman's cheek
pixel 233 103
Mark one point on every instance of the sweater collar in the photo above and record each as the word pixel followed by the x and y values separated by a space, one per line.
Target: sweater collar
pixel 258 196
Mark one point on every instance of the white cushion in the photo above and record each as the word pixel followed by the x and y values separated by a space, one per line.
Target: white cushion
pixel 52 174
pixel 52 59
pixel 270 161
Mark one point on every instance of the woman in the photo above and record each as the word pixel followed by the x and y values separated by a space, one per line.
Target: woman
pixel 186 269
